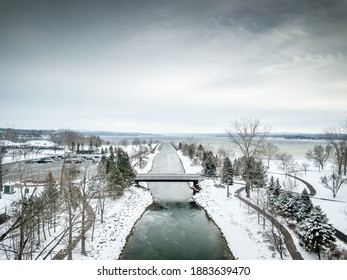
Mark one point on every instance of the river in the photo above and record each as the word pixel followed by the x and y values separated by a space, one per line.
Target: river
pixel 174 227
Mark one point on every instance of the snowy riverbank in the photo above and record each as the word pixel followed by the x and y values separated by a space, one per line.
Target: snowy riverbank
pixel 240 225
pixel 237 222
pixel 106 240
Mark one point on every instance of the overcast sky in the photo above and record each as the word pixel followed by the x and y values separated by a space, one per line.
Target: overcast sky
pixel 173 66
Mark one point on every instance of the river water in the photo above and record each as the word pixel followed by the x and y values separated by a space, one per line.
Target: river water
pixel 174 227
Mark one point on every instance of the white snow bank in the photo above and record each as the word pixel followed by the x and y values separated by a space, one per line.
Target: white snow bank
pixel 237 222
pixel 120 216
pixel 110 237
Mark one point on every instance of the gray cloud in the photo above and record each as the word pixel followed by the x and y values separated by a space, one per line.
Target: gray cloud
pixel 169 66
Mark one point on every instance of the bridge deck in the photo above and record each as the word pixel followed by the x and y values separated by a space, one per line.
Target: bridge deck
pixel 167 177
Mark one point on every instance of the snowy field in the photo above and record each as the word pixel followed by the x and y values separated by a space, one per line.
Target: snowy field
pixel 336 209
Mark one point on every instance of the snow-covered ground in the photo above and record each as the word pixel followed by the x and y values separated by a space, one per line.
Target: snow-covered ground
pixel 24 153
pixel 120 216
pixel 336 209
pixel 239 224
pixel 106 240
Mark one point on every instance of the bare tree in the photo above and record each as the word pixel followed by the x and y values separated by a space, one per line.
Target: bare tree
pixel 87 194
pixel 286 161
pixel 140 156
pixel 124 142
pixel 305 166
pixel 337 138
pixel 10 134
pixel 248 135
pixel 275 238
pixel 269 150
pixel 319 155
pixel 333 183
pixel 136 142
pixel 99 185
pixel 71 198
pixel 23 236
pixel 289 184
pixel 84 206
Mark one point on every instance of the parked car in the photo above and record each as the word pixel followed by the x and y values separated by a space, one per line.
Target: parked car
pixel 91 158
pixel 73 160
pixel 77 160
pixel 41 160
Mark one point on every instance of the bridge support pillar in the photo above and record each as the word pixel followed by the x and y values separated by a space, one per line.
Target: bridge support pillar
pixel 196 187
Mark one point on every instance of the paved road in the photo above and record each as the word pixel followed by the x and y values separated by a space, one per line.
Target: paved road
pixel 311 189
pixel 39 171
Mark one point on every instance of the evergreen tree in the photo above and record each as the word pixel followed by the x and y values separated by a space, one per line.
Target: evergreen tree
pixel 124 166
pixel 236 166
pixel 316 233
pixel 303 206
pixel 270 189
pixel 111 157
pixel 258 174
pixel 200 152
pixel 273 191
pixel 73 146
pixel 227 172
pixel 103 166
pixel 286 203
pixel 115 181
pixel 116 170
pixel 209 165
pixel 252 171
pixel 191 150
pixel 278 185
pixel 277 189
pixel 90 148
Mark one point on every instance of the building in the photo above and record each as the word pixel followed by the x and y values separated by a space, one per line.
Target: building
pixel 8 187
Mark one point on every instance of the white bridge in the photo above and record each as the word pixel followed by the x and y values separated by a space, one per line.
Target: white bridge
pixel 167 177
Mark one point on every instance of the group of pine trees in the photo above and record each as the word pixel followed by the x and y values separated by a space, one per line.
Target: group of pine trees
pixel 315 233
pixel 216 166
pixel 200 155
pixel 115 172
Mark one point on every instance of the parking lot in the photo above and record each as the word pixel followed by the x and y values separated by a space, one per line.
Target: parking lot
pixel 37 170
